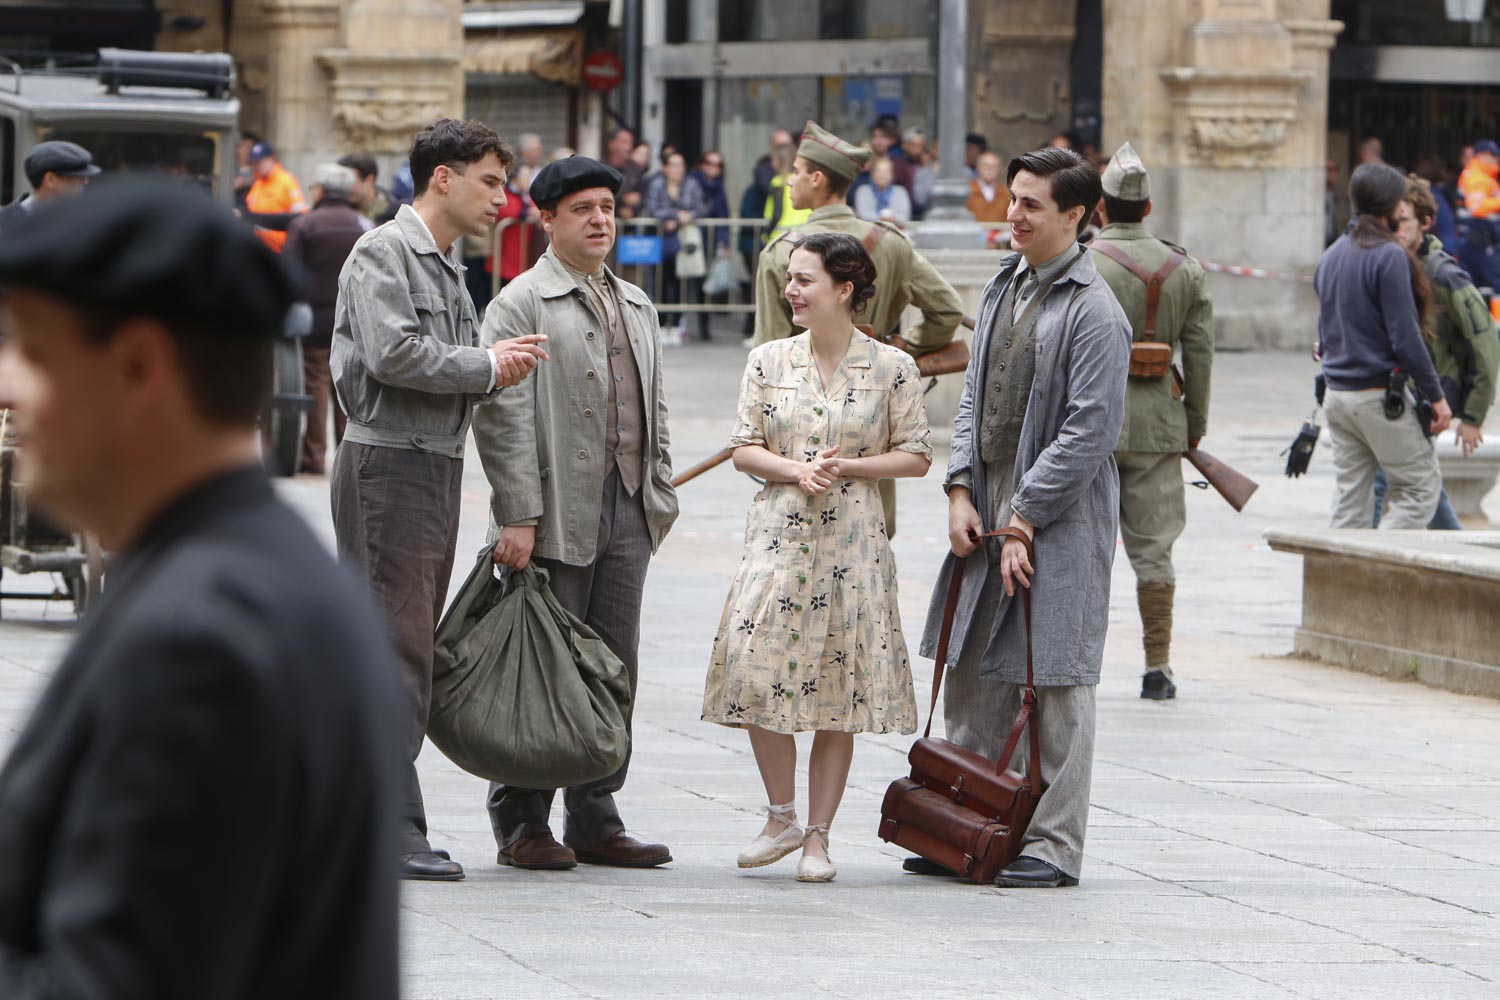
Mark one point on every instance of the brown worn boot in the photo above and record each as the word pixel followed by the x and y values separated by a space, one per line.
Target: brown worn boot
pixel 1155 601
pixel 539 852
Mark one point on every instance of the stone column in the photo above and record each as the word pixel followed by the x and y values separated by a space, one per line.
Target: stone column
pixel 398 69
pixel 952 188
pixel 1022 90
pixel 1227 109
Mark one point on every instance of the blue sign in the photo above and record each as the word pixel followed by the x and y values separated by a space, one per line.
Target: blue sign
pixel 638 250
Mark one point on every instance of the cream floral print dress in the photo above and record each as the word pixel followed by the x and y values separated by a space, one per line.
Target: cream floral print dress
pixel 811 636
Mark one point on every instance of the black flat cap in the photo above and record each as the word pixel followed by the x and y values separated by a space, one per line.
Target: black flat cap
pixel 66 159
pixel 138 246
pixel 560 178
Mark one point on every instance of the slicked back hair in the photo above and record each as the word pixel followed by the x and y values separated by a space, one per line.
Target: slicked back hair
pixel 454 144
pixel 1075 181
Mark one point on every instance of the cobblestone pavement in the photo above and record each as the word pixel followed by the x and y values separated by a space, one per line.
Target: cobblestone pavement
pixel 1283 829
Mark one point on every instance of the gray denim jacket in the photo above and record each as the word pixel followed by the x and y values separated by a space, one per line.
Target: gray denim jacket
pixel 406 360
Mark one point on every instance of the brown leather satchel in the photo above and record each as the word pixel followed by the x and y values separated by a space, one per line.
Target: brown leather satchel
pixel 963 811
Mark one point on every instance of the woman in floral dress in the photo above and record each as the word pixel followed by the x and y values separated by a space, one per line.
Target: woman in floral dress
pixel 811 638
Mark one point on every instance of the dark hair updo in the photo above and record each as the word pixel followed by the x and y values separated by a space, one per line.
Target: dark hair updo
pixel 845 259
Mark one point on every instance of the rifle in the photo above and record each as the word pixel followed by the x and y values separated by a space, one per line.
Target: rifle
pixel 1233 486
pixel 947 360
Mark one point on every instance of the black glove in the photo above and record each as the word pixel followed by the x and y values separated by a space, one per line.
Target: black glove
pixel 1300 452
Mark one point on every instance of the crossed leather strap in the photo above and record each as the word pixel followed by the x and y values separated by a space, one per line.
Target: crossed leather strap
pixel 1028 698
pixel 1153 279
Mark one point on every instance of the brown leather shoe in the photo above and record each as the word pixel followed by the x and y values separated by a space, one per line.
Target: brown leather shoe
pixel 624 851
pixel 539 852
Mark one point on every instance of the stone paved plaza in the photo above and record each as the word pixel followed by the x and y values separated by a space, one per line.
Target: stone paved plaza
pixel 1283 829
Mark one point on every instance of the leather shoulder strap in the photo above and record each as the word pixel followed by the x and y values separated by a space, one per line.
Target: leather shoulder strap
pixel 875 235
pixel 1028 698
pixel 1152 279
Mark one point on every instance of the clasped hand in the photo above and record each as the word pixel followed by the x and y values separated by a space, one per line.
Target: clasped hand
pixel 818 474
pixel 517 358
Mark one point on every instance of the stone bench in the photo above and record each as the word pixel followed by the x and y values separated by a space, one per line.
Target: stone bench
pixel 1410 605
pixel 1468 480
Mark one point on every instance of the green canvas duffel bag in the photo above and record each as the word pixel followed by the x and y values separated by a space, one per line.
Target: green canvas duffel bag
pixel 522 692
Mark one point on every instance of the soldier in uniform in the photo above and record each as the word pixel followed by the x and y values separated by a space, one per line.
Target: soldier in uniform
pixel 825 167
pixel 821 174
pixel 1162 291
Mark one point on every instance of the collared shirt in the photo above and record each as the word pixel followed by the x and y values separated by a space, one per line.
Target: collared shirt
pixel 1028 279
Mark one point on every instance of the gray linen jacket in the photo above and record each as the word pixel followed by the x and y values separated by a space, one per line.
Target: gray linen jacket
pixel 405 357
pixel 1066 484
pixel 542 442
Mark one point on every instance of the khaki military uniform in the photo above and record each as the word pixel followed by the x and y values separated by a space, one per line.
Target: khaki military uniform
pixel 903 277
pixel 1160 420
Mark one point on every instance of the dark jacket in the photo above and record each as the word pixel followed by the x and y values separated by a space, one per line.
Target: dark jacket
pixel 204 801
pixel 13 213
pixel 1367 318
pixel 320 241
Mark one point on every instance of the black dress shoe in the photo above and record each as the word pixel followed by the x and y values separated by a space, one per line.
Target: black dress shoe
pixel 1157 686
pixel 426 866
pixel 921 866
pixel 440 852
pixel 1032 873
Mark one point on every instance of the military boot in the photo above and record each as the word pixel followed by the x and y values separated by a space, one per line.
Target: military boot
pixel 1155 601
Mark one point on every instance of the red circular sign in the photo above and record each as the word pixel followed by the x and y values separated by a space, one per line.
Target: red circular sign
pixel 602 71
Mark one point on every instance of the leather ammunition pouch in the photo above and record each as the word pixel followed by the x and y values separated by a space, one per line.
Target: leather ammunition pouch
pixel 1148 359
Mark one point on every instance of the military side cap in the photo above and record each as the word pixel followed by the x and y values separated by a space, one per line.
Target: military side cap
pixel 66 159
pixel 1125 178
pixel 827 151
pixel 560 178
pixel 141 246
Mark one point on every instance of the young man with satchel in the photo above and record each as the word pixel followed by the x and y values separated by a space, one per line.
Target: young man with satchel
pixel 580 479
pixel 1033 451
pixel 1163 293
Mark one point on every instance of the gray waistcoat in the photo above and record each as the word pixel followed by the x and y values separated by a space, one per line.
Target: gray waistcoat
pixel 1010 367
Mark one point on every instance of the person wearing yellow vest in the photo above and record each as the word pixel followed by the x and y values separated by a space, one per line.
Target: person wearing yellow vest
pixel 275 192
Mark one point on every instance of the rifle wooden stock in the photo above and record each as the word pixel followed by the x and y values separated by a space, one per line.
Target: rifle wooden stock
pixel 1233 486
pixel 713 461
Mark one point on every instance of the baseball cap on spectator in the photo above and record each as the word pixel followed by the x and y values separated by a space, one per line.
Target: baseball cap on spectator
pixel 66 159
pixel 259 152
pixel 1487 146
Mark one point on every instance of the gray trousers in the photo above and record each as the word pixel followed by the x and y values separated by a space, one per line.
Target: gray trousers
pixel 977 715
pixel 395 518
pixel 1364 441
pixel 606 596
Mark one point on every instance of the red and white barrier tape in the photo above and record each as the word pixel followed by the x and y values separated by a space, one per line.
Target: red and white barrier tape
pixel 1253 272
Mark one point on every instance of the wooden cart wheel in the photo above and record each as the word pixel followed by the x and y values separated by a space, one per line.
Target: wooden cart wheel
pixel 86 583
pixel 285 420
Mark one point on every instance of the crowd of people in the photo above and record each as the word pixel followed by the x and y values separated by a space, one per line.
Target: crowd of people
pixel 138 329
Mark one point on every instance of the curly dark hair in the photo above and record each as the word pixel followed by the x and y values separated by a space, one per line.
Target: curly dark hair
pixel 845 259
pixel 455 144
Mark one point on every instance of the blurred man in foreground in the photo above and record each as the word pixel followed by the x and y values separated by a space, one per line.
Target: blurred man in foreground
pixel 203 802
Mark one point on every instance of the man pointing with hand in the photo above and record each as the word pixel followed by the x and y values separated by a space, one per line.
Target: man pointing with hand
pixel 408 369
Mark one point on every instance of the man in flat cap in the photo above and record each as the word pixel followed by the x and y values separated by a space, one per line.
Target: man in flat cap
pixel 580 478
pixel 408 369
pixel 54 169
pixel 1164 294
pixel 203 803
pixel 824 168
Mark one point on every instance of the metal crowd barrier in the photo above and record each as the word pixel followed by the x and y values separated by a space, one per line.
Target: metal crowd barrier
pixel 730 248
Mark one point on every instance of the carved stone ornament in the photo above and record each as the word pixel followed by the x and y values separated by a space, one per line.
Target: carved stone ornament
pixel 382 99
pixel 1236 118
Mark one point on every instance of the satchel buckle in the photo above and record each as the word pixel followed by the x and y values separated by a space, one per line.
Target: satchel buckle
pixel 957 789
pixel 968 864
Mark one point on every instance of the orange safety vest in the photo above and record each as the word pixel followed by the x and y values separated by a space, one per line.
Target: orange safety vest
pixel 1481 189
pixel 276 192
